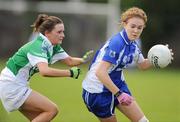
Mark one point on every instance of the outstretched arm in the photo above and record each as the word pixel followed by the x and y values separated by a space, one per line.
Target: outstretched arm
pixel 103 76
pixel 74 61
pixel 47 71
pixel 144 65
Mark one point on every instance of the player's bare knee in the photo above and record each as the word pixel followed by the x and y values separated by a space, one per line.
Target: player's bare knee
pixel 54 110
pixel 143 119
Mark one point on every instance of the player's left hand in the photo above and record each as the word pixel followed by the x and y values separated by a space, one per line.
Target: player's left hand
pixel 75 72
pixel 87 56
pixel 172 54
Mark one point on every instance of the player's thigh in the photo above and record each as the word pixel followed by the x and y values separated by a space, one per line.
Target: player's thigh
pixel 38 103
pixel 133 111
pixel 30 114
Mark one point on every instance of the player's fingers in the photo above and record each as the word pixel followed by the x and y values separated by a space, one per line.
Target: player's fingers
pixel 171 54
pixel 91 51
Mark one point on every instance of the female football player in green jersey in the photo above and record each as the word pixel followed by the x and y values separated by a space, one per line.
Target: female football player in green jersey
pixel 33 57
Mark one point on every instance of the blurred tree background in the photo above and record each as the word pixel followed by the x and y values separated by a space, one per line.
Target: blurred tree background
pixel 89 31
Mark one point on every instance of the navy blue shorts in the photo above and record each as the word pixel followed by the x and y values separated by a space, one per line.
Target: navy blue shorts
pixel 102 104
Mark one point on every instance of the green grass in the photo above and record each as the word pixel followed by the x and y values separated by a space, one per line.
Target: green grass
pixel 156 91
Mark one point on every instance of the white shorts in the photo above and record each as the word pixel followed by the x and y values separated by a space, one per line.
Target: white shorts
pixel 13 94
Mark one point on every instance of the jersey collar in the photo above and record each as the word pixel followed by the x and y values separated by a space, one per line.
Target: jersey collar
pixel 46 39
pixel 125 37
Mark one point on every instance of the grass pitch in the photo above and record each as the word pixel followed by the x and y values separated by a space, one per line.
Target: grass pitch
pixel 156 91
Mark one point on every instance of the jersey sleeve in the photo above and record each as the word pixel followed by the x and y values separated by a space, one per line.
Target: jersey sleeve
pixel 138 56
pixel 112 50
pixel 38 53
pixel 58 54
pixel 33 60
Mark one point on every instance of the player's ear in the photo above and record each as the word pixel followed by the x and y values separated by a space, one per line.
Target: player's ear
pixel 124 23
pixel 46 33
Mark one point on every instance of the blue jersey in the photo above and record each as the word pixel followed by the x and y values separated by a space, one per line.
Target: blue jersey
pixel 120 52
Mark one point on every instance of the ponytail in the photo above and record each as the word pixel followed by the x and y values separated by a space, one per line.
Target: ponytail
pixel 40 19
pixel 45 23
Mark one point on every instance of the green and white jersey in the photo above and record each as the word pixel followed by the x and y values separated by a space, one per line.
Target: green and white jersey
pixel 23 64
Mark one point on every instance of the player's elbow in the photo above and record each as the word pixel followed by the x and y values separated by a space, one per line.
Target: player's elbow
pixel 98 73
pixel 43 69
pixel 44 72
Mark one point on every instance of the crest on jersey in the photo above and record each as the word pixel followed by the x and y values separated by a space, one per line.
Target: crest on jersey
pixel 112 53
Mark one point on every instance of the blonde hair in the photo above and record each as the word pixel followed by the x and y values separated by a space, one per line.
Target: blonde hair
pixel 133 12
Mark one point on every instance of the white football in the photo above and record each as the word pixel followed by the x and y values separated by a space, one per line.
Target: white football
pixel 160 56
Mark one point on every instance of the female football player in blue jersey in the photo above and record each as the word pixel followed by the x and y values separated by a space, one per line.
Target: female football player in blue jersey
pixel 104 86
pixel 33 57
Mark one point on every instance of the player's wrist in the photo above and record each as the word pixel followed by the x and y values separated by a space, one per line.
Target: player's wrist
pixel 71 73
pixel 118 93
pixel 83 60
